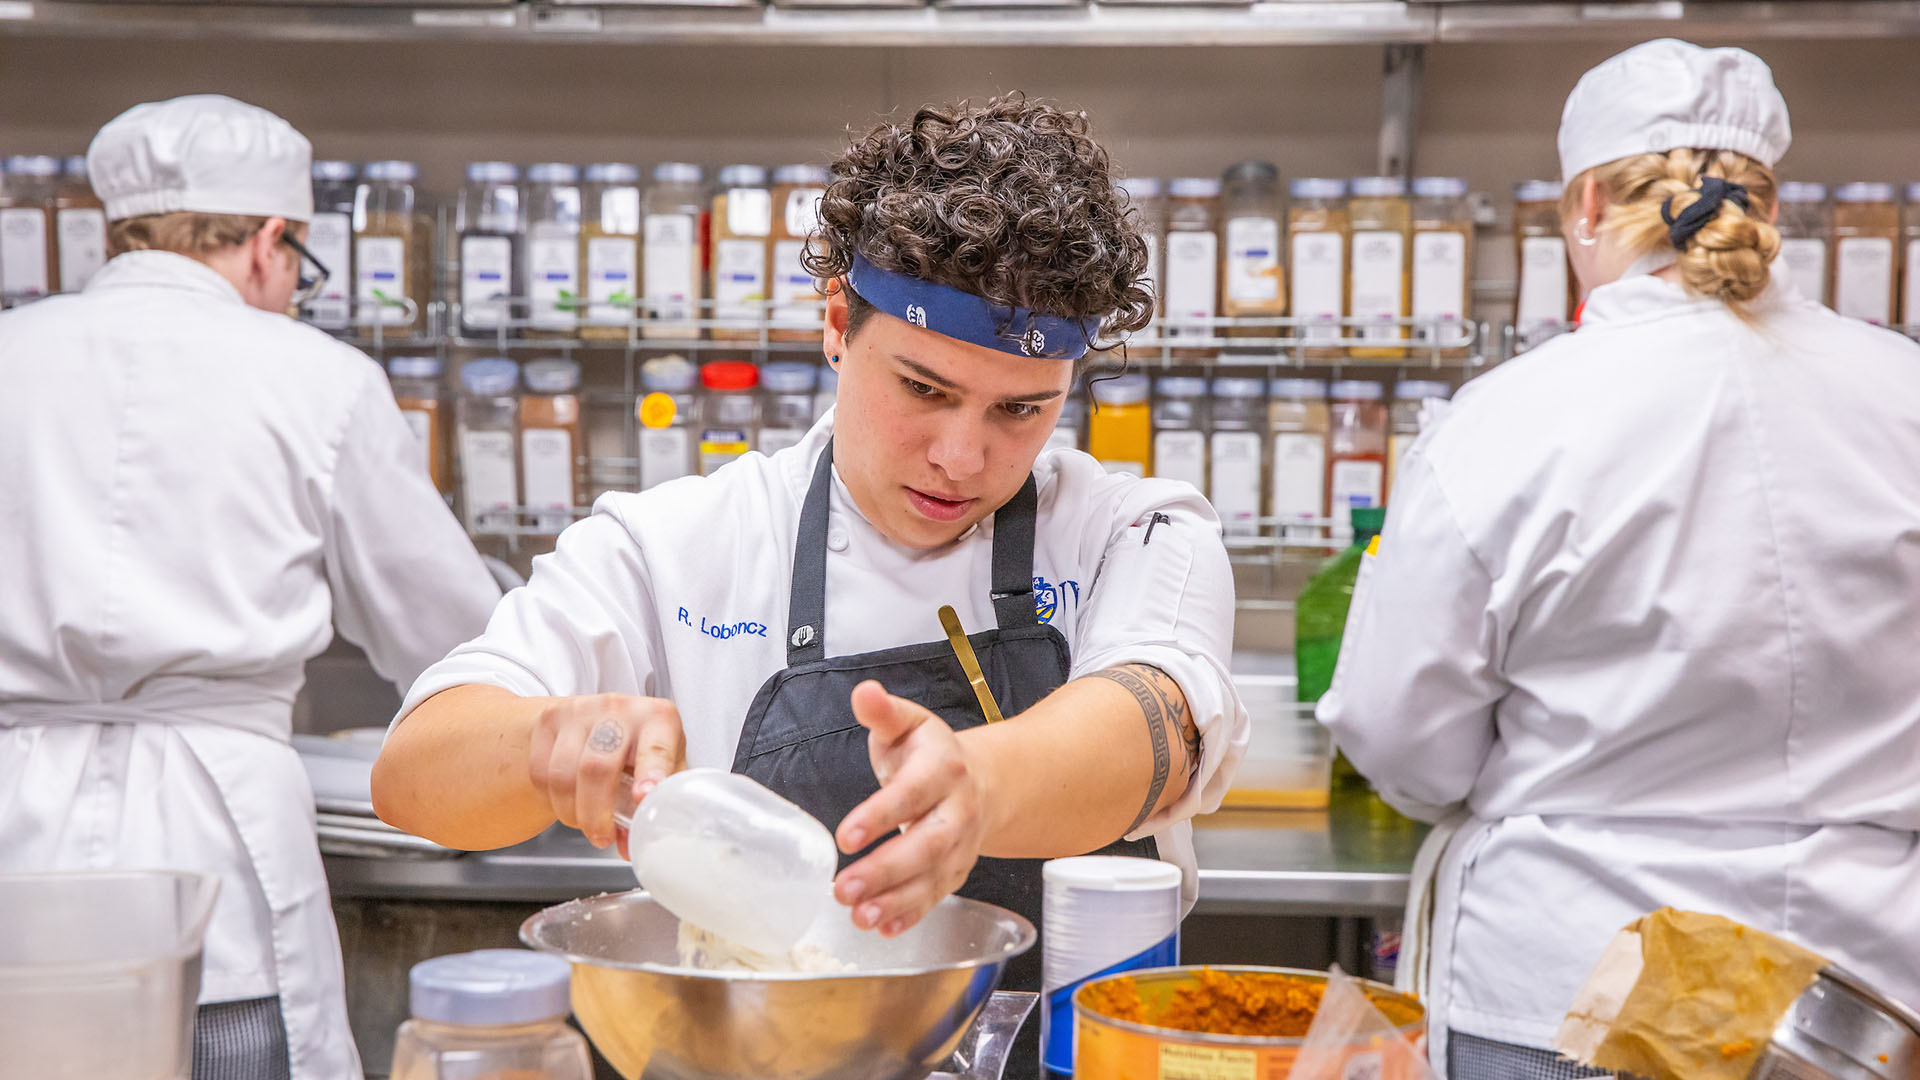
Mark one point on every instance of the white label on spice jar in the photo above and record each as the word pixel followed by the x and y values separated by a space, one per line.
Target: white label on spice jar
pixel 1541 308
pixel 669 258
pixel 1379 283
pixel 24 274
pixel 1354 483
pixel 330 238
pixel 803 210
pixel 665 454
pixel 721 445
pixel 380 273
pixel 1253 260
pixel 1863 278
pixel 1153 274
pixel 553 279
pixel 1234 479
pixel 1064 437
pixel 1192 266
pixel 1319 265
pixel 1181 455
pixel 1910 305
pixel 546 470
pixel 1439 284
pixel 749 211
pixel 83 246
pixel 1805 263
pixel 1299 475
pixel 420 422
pixel 739 278
pixel 795 293
pixel 487 479
pixel 612 265
pixel 486 277
pixel 774 440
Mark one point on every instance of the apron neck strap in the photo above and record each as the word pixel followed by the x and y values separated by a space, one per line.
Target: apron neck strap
pixel 1013 604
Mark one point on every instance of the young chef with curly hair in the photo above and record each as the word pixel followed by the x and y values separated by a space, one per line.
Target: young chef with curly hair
pixel 779 617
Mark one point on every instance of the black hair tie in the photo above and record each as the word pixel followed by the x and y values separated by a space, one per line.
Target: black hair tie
pixel 1713 191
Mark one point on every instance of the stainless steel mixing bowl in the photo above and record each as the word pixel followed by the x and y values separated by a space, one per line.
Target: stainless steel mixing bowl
pixel 1842 1029
pixel 897 1016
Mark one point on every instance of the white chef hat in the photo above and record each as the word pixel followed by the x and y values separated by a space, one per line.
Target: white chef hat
pixel 1666 94
pixel 205 153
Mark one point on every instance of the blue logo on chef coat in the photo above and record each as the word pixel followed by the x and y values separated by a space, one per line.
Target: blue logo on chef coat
pixel 1047 597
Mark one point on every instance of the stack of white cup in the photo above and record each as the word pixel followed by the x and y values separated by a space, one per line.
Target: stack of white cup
pixel 1104 914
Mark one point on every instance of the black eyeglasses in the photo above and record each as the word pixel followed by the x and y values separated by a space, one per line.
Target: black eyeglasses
pixel 309 284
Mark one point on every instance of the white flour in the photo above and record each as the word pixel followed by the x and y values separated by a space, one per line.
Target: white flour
pixel 703 951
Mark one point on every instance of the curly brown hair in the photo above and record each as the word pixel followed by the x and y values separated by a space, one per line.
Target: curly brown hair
pixel 1012 201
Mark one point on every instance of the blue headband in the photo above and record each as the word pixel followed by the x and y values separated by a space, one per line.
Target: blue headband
pixel 969 318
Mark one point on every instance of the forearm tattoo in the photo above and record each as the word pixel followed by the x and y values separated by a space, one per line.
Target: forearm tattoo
pixel 1165 709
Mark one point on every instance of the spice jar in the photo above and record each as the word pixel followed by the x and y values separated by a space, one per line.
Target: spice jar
pixel 1317 249
pixel 1120 429
pixel 1180 430
pixel 1356 451
pixel 1910 303
pixel 1147 203
pixel 787 407
pixel 729 412
pixel 1070 427
pixel 552 441
pixel 416 389
pixel 1298 418
pixel 27 255
pixel 1866 231
pixel 667 415
pixel 488 219
pixel 610 248
pixel 1806 234
pixel 1193 264
pixel 553 248
pixel 1403 420
pixel 1442 262
pixel 490 1015
pixel 1236 452
pixel 797 299
pixel 670 255
pixel 1382 222
pixel 1254 280
pixel 487 416
pixel 330 238
pixel 1544 304
pixel 392 250
pixel 80 226
pixel 742 222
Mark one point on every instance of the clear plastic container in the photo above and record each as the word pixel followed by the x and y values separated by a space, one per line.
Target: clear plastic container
pixel 487 417
pixel 1910 230
pixel 1298 419
pixel 1289 758
pixel 1317 256
pixel 797 299
pixel 787 406
pixel 827 392
pixel 1866 237
pixel 742 225
pixel 488 217
pixel 1193 263
pixel 1806 238
pixel 392 250
pixel 330 238
pixel 670 251
pixel 1442 261
pixel 667 413
pixel 552 444
pixel 1147 198
pixel 1403 419
pixel 1236 455
pixel 729 412
pixel 1253 274
pixel 1378 259
pixel 1069 431
pixel 1120 429
pixel 491 1015
pixel 610 248
pixel 79 225
pixel 416 389
pixel 1544 305
pixel 27 251
pixel 553 248
pixel 1180 430
pixel 1356 450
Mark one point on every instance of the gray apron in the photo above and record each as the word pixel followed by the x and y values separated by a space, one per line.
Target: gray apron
pixel 801 739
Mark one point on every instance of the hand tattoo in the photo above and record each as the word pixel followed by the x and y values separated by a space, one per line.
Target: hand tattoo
pixel 606 737
pixel 1164 707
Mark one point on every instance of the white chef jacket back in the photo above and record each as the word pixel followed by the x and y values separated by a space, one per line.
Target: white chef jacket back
pixel 196 493
pixel 1647 604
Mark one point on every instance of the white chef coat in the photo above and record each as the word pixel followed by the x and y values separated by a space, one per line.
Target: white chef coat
pixel 196 493
pixel 1647 606
pixel 681 592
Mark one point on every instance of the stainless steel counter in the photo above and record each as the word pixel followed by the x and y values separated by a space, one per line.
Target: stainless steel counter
pixel 1349 861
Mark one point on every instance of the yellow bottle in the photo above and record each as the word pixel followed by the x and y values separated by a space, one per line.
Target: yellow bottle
pixel 1120 431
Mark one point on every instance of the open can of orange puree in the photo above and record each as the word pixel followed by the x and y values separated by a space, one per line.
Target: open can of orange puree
pixel 1109 1048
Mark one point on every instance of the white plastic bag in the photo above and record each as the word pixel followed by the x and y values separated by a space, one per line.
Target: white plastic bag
pixel 1350 1039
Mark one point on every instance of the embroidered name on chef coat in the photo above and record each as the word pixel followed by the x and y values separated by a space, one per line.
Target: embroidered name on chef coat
pixel 722 631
